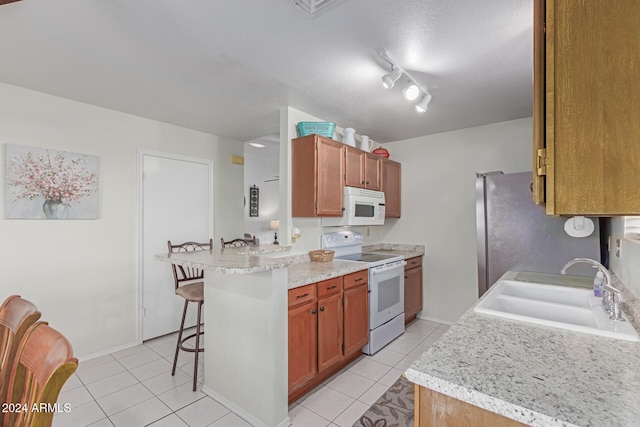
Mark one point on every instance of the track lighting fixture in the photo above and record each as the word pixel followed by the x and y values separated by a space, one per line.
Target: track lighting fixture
pixel 421 106
pixel 412 91
pixel 389 79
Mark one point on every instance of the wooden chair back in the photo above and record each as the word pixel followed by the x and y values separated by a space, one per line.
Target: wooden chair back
pixel 16 315
pixel 238 243
pixel 183 273
pixel 44 361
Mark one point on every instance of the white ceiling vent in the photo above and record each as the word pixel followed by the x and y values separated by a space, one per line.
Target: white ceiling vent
pixel 313 6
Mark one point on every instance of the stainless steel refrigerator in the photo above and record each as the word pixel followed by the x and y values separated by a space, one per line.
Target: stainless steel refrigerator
pixel 516 234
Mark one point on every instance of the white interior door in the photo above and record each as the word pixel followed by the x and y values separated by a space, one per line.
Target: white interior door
pixel 177 205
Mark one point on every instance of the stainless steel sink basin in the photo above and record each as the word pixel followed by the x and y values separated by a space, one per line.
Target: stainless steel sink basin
pixel 558 306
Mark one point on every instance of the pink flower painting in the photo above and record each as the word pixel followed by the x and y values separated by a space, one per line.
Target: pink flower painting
pixel 50 184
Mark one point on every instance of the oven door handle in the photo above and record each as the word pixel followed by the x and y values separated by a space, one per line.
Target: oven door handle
pixel 384 269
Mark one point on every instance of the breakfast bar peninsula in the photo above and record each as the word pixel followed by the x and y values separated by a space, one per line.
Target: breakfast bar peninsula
pixel 245 317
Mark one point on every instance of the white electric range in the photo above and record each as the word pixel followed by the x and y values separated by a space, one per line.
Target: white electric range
pixel 386 286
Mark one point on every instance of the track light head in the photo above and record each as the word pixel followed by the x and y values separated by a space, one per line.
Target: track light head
pixel 411 92
pixel 389 79
pixel 421 106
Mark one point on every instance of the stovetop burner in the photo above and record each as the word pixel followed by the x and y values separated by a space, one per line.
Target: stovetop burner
pixel 348 247
pixel 366 257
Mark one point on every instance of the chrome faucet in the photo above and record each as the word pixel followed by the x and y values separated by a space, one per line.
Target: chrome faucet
pixel 612 297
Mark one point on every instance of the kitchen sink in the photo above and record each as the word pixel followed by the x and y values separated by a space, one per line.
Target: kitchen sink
pixel 551 305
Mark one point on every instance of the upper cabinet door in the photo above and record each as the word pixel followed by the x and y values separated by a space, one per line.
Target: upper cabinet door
pixel 353 167
pixel 539 170
pixel 390 179
pixel 372 172
pixel 330 171
pixel 591 147
pixel 317 170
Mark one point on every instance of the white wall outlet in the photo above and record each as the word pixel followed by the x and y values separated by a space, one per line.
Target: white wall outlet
pixel 618 244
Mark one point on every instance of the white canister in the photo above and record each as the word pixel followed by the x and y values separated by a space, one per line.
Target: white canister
pixel 365 143
pixel 349 137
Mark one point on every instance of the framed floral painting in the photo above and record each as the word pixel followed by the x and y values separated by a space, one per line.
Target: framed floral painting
pixel 50 184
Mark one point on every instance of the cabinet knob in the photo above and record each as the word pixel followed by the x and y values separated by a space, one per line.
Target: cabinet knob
pixel 367 182
pixel 313 311
pixel 321 308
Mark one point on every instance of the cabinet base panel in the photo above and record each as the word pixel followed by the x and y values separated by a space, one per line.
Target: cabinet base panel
pixel 321 376
pixel 433 409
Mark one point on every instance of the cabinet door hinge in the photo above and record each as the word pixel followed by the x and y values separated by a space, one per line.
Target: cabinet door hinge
pixel 541 162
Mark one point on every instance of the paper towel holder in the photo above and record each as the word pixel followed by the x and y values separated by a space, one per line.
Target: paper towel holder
pixel 579 226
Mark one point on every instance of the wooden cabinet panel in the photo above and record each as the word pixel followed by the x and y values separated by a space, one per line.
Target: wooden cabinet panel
pixel 390 184
pixel 317 171
pixel 356 315
pixel 355 279
pixel 412 292
pixel 372 172
pixel 302 295
pixel 330 171
pixel 433 409
pixel 329 287
pixel 362 169
pixel 302 344
pixel 354 162
pixel 326 333
pixel 591 71
pixel 329 331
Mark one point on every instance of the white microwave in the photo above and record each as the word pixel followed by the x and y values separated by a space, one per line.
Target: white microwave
pixel 361 207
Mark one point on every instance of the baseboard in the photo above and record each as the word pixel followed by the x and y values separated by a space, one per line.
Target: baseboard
pixel 241 412
pixel 433 319
pixel 105 352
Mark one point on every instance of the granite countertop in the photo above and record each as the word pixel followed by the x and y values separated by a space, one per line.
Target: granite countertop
pixel 301 271
pixel 406 251
pixel 538 375
pixel 243 260
pixel 304 273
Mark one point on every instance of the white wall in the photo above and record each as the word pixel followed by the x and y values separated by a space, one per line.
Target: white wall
pixel 438 204
pixel 627 266
pixel 82 275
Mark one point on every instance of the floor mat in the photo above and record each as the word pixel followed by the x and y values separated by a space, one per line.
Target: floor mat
pixel 393 409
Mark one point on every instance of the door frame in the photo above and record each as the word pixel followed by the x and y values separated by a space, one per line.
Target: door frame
pixel 141 153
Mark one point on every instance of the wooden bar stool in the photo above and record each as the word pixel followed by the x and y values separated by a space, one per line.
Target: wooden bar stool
pixel 189 284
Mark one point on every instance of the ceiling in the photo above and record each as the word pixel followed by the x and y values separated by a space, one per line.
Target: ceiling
pixel 226 67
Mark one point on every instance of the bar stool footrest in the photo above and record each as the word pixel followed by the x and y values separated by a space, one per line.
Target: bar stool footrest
pixel 190 350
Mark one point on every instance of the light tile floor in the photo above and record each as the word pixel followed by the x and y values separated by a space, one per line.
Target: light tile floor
pixel 134 387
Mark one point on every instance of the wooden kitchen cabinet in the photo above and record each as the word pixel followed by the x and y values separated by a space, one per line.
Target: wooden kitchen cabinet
pixel 317 171
pixel 412 288
pixel 327 329
pixel 361 169
pixel 356 312
pixel 330 323
pixel 390 172
pixel 371 172
pixel 302 336
pixel 433 409
pixel 586 107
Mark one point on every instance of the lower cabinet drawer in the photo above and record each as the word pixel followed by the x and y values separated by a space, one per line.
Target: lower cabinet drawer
pixel 330 287
pixel 302 295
